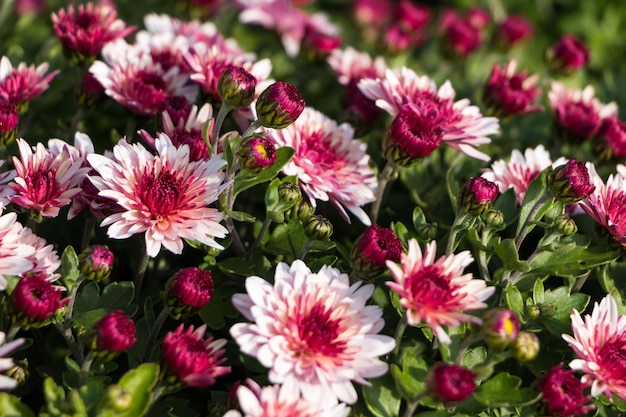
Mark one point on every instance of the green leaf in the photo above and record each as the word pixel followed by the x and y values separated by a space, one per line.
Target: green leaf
pixel 11 406
pixel 219 308
pixel 537 191
pixel 418 217
pixel 410 379
pixel 380 398
pixel 132 395
pixel 288 238
pixel 538 291
pixel 91 305
pixel 245 180
pixel 69 267
pixel 507 252
pixel 563 303
pixel 503 390
pixel 514 300
pixel 574 262
pixel 507 204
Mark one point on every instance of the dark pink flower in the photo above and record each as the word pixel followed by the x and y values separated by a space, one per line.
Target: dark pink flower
pixel 29 6
pixel 570 183
pixel 178 109
pixel 236 87
pixel 461 36
pixel 513 30
pixel 319 42
pixel 478 17
pixel 90 92
pixel 508 93
pixel 115 332
pixel 450 383
pixel 376 13
pixel 35 298
pixel 563 393
pixel 192 359
pixel 9 117
pixel 279 105
pixel 96 262
pixel 373 249
pixel 256 154
pixel 568 53
pixel 84 31
pixel 500 327
pixel 477 195
pixel 611 139
pixel 21 84
pixel 190 289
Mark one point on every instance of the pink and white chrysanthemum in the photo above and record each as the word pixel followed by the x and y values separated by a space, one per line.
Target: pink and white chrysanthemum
pixel 5 190
pixel 520 170
pixel 437 292
pixel 193 31
pixel 45 182
pixel 600 344
pixel 349 65
pixel 131 77
pixel 7 382
pixel 607 204
pixel 15 255
pixel 45 259
pixel 464 127
pixel 279 400
pixel 313 331
pixel 23 83
pixel 330 164
pixel 166 196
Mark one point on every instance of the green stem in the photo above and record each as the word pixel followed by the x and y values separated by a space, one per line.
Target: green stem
pixel 70 341
pixel 483 263
pixel 90 224
pixel 454 230
pixel 84 369
pixel 528 223
pixel 412 405
pixel 73 294
pixel 386 177
pixel 465 344
pixel 397 335
pixel 141 270
pixel 217 127
pixel 264 228
pixel 250 130
pixel 154 333
pixel 305 248
pixel 12 332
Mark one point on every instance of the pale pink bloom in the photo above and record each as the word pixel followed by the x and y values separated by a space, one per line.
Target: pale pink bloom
pixel 44 259
pixel 600 344
pixel 131 77
pixel 607 204
pixel 437 292
pixel 278 401
pixel 350 65
pixel 5 190
pixel 21 84
pixel 330 164
pixel 192 31
pixel 7 382
pixel 313 331
pixel 15 255
pixel 164 196
pixel 45 182
pixel 520 170
pixel 578 112
pixel 463 125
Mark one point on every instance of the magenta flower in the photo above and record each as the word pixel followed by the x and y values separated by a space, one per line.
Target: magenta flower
pixel 96 262
pixel 568 53
pixel 279 400
pixel 600 344
pixel 45 182
pixel 236 87
pixel 330 164
pixel 500 327
pixel 21 84
pixel 611 139
pixel 190 289
pixel 436 292
pixel 313 331
pixel 373 249
pixel 509 93
pixel 513 30
pixel 578 114
pixel 563 393
pixel 520 170
pixel 35 299
pixel 450 383
pixel 84 31
pixel 462 35
pixel 7 382
pixel 166 196
pixel 256 154
pixel 194 360
pixel 9 118
pixel 409 26
pixel 463 126
pixel 570 182
pixel 115 332
pixel 477 195
pixel 279 105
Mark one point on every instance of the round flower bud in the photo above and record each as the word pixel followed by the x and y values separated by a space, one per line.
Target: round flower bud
pixel 279 105
pixel 114 333
pixel 494 218
pixel 373 249
pixel 96 262
pixel 118 398
pixel 477 195
pixel 302 210
pixel 19 371
pixel 427 232
pixel 256 154
pixel 565 225
pixel 525 347
pixel 236 87
pixel 450 383
pixel 289 192
pixel 547 310
pixel 35 299
pixel 563 393
pixel 570 182
pixel 513 30
pixel 533 311
pixel 318 227
pixel 9 117
pixel 568 54
pixel 500 327
pixel 188 291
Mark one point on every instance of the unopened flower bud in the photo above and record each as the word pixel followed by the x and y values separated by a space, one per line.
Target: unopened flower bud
pixel 477 195
pixel 568 54
pixel 373 249
pixel 533 311
pixel 279 105
pixel 570 182
pixel 525 347
pixel 427 232
pixel 188 291
pixel 114 333
pixel 96 262
pixel 513 30
pixel 318 227
pixel 9 117
pixel 118 398
pixel 565 225
pixel 289 192
pixel 301 210
pixel 500 327
pixel 450 383
pixel 494 218
pixel 547 310
pixel 236 87
pixel 35 300
pixel 256 154
pixel 19 371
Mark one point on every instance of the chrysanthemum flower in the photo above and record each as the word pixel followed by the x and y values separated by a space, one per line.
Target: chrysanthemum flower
pixel 610 142
pixel 5 190
pixel 7 363
pixel 14 254
pixel 578 114
pixel 568 53
pixel 510 93
pixel 194 360
pixel 520 170
pixel 600 344
pixel 45 182
pixel 164 196
pixel 45 259
pixel 84 31
pixel 330 164
pixel 436 292
pixel 314 331
pixel 35 299
pixel 563 393
pixel 513 30
pixel 279 400
pixel 463 126
pixel 21 84
pixel 607 203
